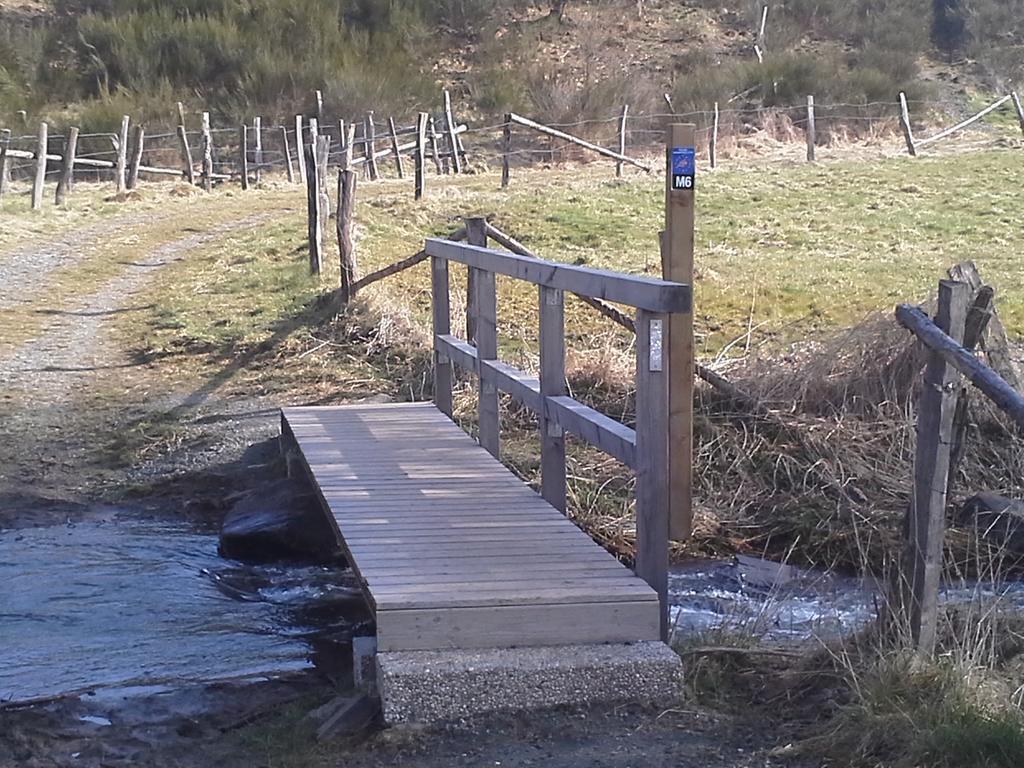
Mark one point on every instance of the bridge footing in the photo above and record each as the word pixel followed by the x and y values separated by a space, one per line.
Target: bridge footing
pixel 436 686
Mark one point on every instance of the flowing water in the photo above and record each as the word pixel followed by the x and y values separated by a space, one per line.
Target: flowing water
pixel 141 604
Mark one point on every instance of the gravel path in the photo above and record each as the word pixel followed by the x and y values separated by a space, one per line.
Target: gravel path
pixel 75 345
pixel 23 270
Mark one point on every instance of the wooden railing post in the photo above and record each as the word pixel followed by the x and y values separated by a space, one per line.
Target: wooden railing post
pixel 133 172
pixel 652 467
pixel 484 313
pixel 439 287
pixel 243 154
pixel 552 384
pixel 40 177
pixel 677 266
pixel 476 234
pixel 713 142
pixel 121 167
pixel 926 516
pixel 67 168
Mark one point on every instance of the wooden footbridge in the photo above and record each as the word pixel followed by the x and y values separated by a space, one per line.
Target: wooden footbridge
pixel 455 551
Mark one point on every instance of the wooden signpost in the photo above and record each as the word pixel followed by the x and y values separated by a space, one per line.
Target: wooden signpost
pixel 677 266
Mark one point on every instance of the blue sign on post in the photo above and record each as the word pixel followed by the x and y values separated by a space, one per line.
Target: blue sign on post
pixel 684 168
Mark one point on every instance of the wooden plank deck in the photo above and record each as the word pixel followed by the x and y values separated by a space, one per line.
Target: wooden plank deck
pixel 455 551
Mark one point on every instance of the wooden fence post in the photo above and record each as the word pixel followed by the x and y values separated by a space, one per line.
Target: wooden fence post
pixel 320 106
pixel 5 169
pixel 652 462
pixel 133 173
pixel 506 154
pixel 1020 109
pixel 713 143
pixel 40 177
pixel 485 314
pixel 314 211
pixel 433 148
pixel 120 169
pixel 677 265
pixel 207 153
pixel 394 147
pixel 453 144
pixel 421 156
pixel 257 158
pixel 346 247
pixel 622 139
pixel 323 154
pixel 300 152
pixel 289 164
pixel 442 315
pixel 908 132
pixel 926 516
pixel 67 168
pixel 243 154
pixel 369 145
pixel 350 142
pixel 811 139
pixel 186 155
pixel 552 384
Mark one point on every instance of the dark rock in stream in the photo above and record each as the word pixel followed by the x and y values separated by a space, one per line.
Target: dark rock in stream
pixel 998 518
pixel 279 521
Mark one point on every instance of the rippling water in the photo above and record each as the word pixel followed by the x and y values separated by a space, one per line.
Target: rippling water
pixel 102 605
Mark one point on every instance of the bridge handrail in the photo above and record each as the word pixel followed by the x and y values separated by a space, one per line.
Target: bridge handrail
pixel 644 449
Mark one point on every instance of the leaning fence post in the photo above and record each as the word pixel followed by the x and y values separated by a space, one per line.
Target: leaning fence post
pixel 316 230
pixel 438 167
pixel 346 248
pixel 622 139
pixel 506 151
pixel 243 154
pixel 926 515
pixel 394 148
pixel 257 158
pixel 652 443
pixel 133 174
pixel 810 129
pixel 421 155
pixel 320 106
pixel 908 132
pixel 122 156
pixel 453 143
pixel 40 177
pixel 67 169
pixel 369 138
pixel 207 153
pixel 5 170
pixel 186 154
pixel 1020 109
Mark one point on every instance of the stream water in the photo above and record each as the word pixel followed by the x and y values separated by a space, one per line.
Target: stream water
pixel 115 606
pixel 142 604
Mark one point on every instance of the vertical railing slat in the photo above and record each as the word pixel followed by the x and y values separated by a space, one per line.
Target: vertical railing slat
pixel 552 384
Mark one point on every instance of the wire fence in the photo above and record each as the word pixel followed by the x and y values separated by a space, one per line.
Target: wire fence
pixel 720 134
